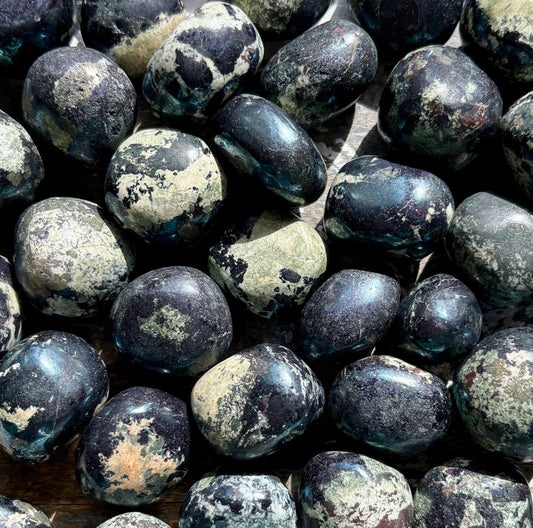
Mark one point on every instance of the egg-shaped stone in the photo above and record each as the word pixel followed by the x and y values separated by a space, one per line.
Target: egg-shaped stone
pixel 488 241
pixel 51 383
pixel 440 319
pixel 15 513
pixel 268 263
pixel 135 449
pixel 239 501
pixel 129 31
pixel 80 102
pixel 165 186
pixel 344 489
pixel 255 401
pixel 390 405
pixel 350 312
pixel 10 309
pixel 21 167
pixel 388 206
pixel 133 520
pixel 493 390
pixel 439 107
pixel 322 72
pixel 203 62
pixel 69 258
pixel 461 493
pixel 172 320
pixel 262 142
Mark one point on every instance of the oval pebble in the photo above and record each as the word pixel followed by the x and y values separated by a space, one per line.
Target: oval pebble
pixel 15 513
pixel 10 309
pixel 133 520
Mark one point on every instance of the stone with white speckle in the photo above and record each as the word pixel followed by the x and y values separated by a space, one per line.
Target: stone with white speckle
pixel 133 520
pixel 10 309
pixel 15 513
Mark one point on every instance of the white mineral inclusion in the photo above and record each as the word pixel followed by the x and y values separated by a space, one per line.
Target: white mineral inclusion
pixel 133 519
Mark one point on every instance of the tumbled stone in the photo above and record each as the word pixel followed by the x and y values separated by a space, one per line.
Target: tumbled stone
pixel 15 513
pixel 133 520
pixel 10 309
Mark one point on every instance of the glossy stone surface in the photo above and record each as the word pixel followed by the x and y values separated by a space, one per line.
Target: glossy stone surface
pixel 165 186
pixel 488 241
pixel 322 72
pixel 459 494
pixel 203 62
pixel 172 320
pixel 16 513
pixel 255 401
pixel 262 142
pixel 388 206
pixel 494 393
pixel 80 102
pixel 344 490
pixel 439 107
pixel 133 520
pixel 69 258
pixel 129 31
pixel 21 167
pixel 390 405
pixel 51 383
pixel 243 264
pixel 398 27
pixel 239 501
pixel 10 309
pixel 135 449
pixel 440 319
pixel 350 312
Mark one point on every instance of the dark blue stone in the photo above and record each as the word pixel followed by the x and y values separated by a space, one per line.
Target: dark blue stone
pixel 390 405
pixel 172 320
pixel 19 514
pixel 51 383
pixel 10 309
pixel 135 449
pixel 261 141
pixel 388 206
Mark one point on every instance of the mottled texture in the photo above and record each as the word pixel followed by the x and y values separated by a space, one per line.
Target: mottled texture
pixel 129 31
pixel 69 258
pixel 80 102
pixel 238 501
pixel 133 520
pixel 165 186
pixel 350 312
pixel 388 206
pixel 440 319
pixel 252 403
pixel 322 72
pixel 10 309
pixel 172 320
pixel 135 449
pixel 269 263
pixel 489 241
pixel 494 393
pixel 438 106
pixel 203 62
pixel 390 405
pixel 15 513
pixel 51 383
pixel 340 489
pixel 262 142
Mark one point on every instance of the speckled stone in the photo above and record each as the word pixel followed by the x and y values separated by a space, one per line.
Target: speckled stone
pixel 80 102
pixel 21 167
pixel 322 72
pixel 16 513
pixel 391 405
pixel 516 128
pixel 172 320
pixel 440 319
pixel 255 401
pixel 460 494
pixel 129 31
pixel 135 449
pixel 283 19
pixel 165 186
pixel 388 206
pixel 269 263
pixel 262 142
pixel 133 520
pixel 438 106
pixel 350 312
pixel 489 241
pixel 345 490
pixel 238 501
pixel 398 27
pixel 51 383
pixel 203 62
pixel 69 259
pixel 494 393
pixel 10 309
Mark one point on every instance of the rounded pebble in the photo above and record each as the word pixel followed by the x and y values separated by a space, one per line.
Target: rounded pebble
pixel 133 520
pixel 15 513
pixel 10 309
